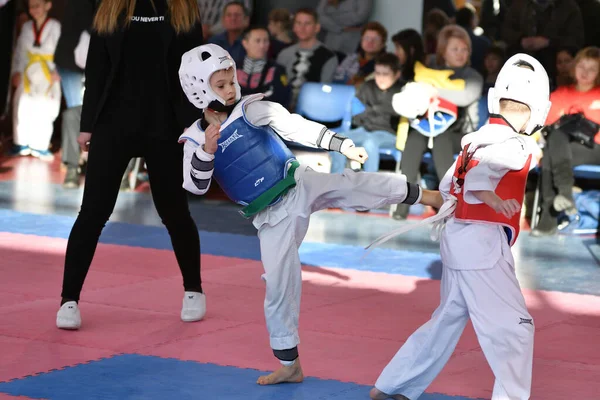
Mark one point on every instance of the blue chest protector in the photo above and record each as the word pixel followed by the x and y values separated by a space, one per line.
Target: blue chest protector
pixel 250 160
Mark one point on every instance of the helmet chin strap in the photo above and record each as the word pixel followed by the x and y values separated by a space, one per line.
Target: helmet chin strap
pixel 217 106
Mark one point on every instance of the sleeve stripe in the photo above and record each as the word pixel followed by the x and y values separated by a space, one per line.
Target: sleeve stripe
pixel 201 184
pixel 200 165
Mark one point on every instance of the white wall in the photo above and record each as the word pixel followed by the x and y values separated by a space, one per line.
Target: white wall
pixel 396 15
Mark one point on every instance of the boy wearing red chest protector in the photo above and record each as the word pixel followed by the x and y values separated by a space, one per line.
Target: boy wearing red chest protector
pixel 481 197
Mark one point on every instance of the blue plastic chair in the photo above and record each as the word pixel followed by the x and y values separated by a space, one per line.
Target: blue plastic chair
pixel 326 103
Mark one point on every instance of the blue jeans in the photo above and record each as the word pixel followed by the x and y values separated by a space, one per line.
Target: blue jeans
pixel 72 86
pixel 371 141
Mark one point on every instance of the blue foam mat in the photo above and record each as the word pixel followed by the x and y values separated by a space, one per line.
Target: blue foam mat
pixel 409 263
pixel 132 376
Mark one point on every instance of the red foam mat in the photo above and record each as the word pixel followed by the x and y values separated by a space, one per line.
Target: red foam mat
pixel 352 322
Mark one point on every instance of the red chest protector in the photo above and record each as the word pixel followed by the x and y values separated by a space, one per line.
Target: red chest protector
pixel 511 186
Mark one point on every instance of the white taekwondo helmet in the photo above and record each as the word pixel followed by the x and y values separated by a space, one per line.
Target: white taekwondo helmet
pixel 197 66
pixel 530 87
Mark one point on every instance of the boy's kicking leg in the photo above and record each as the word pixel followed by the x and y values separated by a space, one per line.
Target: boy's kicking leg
pixel 279 245
pixel 503 326
pixel 281 230
pixel 426 351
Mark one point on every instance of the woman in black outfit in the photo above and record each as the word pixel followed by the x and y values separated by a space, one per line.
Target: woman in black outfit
pixel 134 107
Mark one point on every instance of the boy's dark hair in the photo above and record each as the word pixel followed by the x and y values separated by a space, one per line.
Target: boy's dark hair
pixel 252 28
pixel 308 11
pixel 388 60
pixel 236 3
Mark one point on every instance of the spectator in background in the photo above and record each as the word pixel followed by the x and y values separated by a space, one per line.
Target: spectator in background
pixel 459 92
pixel 492 62
pixel 38 96
pixel 540 27
pixel 561 153
pixel 564 66
pixel 259 74
pixel 280 26
pixel 356 67
pixel 376 125
pixel 343 21
pixel 235 19
pixel 435 21
pixel 409 50
pixel 492 16
pixel 212 15
pixel 76 21
pixel 308 60
pixel 7 25
pixel 466 17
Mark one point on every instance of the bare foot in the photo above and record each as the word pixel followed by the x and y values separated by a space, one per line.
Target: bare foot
pixel 290 373
pixel 377 394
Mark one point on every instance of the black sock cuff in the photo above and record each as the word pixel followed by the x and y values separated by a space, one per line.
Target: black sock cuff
pixel 286 355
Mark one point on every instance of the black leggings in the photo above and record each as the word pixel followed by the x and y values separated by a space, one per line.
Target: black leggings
pixel 108 158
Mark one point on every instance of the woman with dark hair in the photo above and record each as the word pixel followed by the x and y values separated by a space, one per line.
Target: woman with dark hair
pixel 409 50
pixel 134 107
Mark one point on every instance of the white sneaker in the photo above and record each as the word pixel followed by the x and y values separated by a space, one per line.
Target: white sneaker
pixel 194 306
pixel 68 316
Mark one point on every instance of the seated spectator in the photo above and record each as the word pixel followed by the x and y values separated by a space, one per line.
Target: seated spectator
pixel 376 126
pixel 308 60
pixel 456 87
pixel 356 67
pixel 343 22
pixel 211 13
pixel 257 73
pixel 280 25
pixel 564 65
pixel 467 18
pixel 435 20
pixel 561 152
pixel 492 62
pixel 235 20
pixel 409 50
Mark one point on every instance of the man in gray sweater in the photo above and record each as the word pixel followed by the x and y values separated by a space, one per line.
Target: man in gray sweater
pixel 308 60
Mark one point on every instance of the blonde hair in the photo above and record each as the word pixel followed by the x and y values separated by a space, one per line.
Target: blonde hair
pixel 507 105
pixel 587 53
pixel 448 32
pixel 183 14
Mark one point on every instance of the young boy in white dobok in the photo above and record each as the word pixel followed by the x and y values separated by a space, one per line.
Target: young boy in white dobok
pixel 485 187
pixel 237 142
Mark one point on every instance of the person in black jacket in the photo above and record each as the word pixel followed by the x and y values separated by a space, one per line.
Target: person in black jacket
pixel 133 106
pixel 76 20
